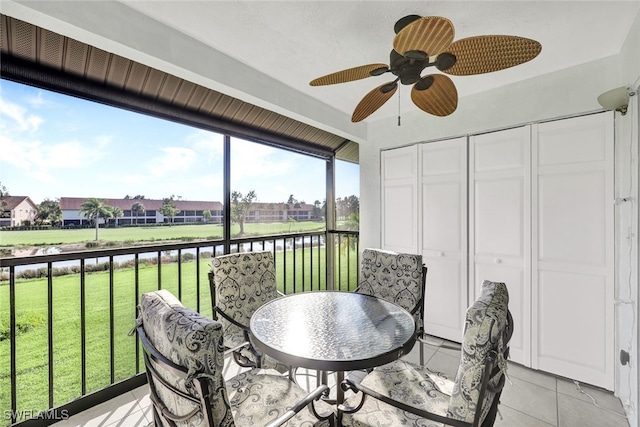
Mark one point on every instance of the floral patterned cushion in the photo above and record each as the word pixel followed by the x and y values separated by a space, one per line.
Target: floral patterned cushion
pixel 191 340
pixel 243 282
pixel 484 328
pixel 259 396
pixel 395 277
pixel 417 386
pixel 406 383
pixel 188 339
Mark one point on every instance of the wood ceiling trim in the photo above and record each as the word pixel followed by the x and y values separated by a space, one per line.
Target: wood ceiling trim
pixel 76 66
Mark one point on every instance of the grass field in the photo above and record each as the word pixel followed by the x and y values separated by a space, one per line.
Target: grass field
pixel 148 234
pixel 31 312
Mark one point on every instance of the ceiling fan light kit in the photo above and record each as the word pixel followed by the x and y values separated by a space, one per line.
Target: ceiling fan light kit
pixel 423 42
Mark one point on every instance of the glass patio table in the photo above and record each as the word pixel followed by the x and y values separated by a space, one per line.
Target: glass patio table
pixel 333 331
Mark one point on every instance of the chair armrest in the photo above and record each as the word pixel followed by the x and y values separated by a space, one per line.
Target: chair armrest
pixel 230 319
pixel 230 351
pixel 367 392
pixel 308 400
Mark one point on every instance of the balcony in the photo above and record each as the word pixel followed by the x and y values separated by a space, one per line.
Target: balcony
pixel 65 346
pixel 531 398
pixel 90 372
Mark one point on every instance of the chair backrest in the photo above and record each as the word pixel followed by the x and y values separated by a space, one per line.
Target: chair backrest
pixel 487 331
pixel 184 356
pixel 242 283
pixel 395 277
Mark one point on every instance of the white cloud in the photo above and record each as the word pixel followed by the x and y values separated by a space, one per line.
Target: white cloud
pixel 40 161
pixel 20 119
pixel 254 160
pixel 172 159
pixel 38 100
pixel 208 145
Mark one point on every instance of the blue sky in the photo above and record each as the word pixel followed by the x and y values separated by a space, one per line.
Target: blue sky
pixel 53 146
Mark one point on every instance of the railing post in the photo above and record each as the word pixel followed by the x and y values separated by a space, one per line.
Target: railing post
pixel 226 182
pixel 330 223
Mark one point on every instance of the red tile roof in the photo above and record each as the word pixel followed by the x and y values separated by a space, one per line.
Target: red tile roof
pixel 75 203
pixel 13 201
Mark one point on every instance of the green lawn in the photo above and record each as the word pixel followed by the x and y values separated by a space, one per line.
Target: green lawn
pixel 135 234
pixel 31 313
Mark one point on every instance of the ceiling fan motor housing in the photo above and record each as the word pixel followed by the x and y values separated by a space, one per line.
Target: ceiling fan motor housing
pixel 407 69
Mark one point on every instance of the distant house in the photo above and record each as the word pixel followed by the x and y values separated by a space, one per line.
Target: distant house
pixel 17 210
pixel 190 211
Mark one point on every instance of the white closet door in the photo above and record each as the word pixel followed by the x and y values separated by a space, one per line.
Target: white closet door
pixel 400 199
pixel 572 270
pixel 500 224
pixel 444 235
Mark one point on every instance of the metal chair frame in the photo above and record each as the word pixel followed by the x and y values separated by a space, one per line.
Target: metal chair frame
pixel 491 369
pixel 237 356
pixel 203 389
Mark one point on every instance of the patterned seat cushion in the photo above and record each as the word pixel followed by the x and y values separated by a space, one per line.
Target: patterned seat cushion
pixel 484 328
pixel 394 277
pixel 411 384
pixel 406 383
pixel 261 395
pixel 243 282
pixel 187 339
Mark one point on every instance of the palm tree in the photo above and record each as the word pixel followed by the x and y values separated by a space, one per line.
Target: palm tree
pixel 116 213
pixel 137 208
pixel 95 209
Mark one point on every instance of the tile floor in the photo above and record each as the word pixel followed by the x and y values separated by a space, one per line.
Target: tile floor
pixel 530 399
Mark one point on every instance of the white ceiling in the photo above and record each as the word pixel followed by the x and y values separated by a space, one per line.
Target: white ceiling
pixel 266 52
pixel 296 41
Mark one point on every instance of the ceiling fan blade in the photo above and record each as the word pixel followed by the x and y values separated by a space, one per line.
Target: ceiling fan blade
pixel 350 74
pixel 440 98
pixel 430 34
pixel 373 100
pixel 485 54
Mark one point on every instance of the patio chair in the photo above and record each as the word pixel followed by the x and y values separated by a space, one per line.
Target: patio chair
pixel 183 354
pixel 398 278
pixel 401 393
pixel 240 283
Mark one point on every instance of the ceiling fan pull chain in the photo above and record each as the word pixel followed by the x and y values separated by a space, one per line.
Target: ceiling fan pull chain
pixel 399 106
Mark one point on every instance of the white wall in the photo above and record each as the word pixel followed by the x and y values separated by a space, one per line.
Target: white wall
pixel 627 290
pixel 567 92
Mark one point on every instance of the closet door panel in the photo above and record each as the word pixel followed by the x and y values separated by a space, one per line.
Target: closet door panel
pixel 571 218
pixel 446 289
pixel 399 173
pixel 443 194
pixel 583 319
pixel 499 216
pixel 500 224
pixel 441 221
pixel 572 298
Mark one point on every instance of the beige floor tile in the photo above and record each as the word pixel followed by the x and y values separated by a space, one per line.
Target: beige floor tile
pixel 586 392
pixel 104 414
pixel 136 419
pixel 578 413
pixel 540 378
pixel 511 418
pixel 531 399
pixel 441 362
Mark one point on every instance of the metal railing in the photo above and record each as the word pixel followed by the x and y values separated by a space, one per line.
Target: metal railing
pixel 64 335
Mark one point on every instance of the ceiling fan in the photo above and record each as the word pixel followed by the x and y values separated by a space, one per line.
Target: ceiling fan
pixel 423 42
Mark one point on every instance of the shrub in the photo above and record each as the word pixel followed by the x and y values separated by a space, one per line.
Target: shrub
pixel 24 323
